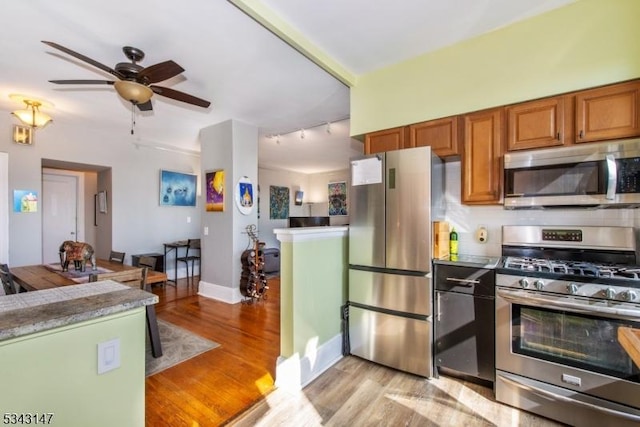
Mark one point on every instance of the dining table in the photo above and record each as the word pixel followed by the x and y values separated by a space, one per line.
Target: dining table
pixel 40 277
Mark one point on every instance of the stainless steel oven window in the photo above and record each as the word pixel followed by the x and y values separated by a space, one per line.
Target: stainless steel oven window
pixel 577 340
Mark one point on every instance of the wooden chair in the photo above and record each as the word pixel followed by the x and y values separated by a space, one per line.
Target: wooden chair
pixel 153 276
pixel 137 277
pixel 191 256
pixel 7 280
pixel 116 257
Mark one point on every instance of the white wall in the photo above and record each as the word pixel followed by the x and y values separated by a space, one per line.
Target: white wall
pixel 466 219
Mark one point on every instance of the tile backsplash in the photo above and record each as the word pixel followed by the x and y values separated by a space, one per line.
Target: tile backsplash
pixel 466 219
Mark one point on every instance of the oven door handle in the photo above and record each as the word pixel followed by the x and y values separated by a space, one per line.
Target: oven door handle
pixel 530 299
pixel 554 396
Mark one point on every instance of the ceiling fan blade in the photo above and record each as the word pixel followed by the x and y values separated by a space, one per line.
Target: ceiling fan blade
pixel 159 72
pixel 180 96
pixel 82 82
pixel 84 58
pixel 146 106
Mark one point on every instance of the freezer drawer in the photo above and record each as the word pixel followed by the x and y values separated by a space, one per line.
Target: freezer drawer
pixel 399 342
pixel 396 292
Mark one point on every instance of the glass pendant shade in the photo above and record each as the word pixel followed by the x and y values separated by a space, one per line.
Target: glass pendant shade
pixel 32 117
pixel 133 92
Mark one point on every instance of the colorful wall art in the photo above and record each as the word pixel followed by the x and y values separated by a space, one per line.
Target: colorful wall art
pixel 278 202
pixel 337 198
pixel 244 195
pixel 215 191
pixel 25 201
pixel 177 189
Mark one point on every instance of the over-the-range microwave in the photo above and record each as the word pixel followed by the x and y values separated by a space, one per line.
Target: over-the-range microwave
pixel 596 175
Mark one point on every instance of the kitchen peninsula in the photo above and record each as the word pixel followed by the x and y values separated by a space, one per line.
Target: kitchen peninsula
pixel 66 351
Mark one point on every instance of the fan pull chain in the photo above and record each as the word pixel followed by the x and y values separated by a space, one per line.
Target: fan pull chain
pixel 133 117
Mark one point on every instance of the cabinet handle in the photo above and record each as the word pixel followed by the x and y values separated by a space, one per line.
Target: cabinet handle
pixel 438 313
pixel 463 282
pixel 558 136
pixel 581 134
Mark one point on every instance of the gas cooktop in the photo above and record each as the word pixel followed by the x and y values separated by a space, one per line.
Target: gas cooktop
pixel 572 268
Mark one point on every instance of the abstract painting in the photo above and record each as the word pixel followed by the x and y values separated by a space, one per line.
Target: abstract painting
pixel 278 202
pixel 337 198
pixel 215 191
pixel 177 189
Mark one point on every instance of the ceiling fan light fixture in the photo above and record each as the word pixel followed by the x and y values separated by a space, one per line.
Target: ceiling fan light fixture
pixel 133 92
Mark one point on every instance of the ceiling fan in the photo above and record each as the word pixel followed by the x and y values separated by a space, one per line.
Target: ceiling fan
pixel 135 83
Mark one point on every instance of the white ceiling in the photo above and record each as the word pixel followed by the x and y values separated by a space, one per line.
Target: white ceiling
pixel 245 71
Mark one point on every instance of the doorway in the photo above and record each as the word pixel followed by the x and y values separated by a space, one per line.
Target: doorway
pixel 59 212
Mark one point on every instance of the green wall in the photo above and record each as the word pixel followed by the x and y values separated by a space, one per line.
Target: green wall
pixel 585 44
pixel 313 286
pixel 56 372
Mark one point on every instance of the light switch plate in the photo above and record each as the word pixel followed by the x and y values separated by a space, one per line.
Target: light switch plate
pixel 108 355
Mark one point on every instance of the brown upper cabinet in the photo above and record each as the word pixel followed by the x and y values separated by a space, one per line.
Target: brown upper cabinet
pixel 608 112
pixel 482 157
pixel 541 123
pixel 387 140
pixel 441 135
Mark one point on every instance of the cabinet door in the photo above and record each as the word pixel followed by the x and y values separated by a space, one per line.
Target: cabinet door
pixel 482 157
pixel 464 334
pixel 386 140
pixel 441 135
pixel 608 113
pixel 541 123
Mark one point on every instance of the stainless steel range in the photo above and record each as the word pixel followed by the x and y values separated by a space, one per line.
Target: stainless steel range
pixel 567 319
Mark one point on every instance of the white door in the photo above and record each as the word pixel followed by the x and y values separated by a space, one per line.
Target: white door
pixel 59 214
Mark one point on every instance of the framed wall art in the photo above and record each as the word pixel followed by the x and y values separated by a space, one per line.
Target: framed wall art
pixel 215 191
pixel 177 188
pixel 25 201
pixel 278 202
pixel 244 195
pixel 337 198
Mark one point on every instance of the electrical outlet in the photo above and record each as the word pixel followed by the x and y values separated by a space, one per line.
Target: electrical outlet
pixel 206 231
pixel 482 235
pixel 188 220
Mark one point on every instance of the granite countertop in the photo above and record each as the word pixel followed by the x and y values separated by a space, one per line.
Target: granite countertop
pixel 31 312
pixel 478 261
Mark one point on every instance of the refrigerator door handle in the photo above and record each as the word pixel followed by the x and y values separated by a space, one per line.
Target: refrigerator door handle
pixel 438 313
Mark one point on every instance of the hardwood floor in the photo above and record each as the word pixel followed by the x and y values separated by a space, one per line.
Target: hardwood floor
pixel 233 384
pixel 216 386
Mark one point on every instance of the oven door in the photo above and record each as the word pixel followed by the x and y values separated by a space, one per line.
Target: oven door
pixel 570 343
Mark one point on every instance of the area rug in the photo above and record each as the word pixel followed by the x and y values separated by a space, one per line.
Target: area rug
pixel 178 345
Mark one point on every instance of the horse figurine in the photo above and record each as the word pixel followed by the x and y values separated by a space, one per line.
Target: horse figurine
pixel 79 253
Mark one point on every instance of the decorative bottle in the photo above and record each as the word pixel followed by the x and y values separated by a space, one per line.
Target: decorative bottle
pixel 453 243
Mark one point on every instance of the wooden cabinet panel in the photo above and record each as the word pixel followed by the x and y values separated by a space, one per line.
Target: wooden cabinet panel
pixel 608 113
pixel 386 140
pixel 541 123
pixel 482 157
pixel 441 135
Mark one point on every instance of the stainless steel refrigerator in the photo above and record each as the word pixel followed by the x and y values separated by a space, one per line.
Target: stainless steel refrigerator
pixel 394 197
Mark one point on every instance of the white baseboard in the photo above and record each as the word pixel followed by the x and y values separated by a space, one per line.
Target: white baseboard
pixel 294 373
pixel 220 293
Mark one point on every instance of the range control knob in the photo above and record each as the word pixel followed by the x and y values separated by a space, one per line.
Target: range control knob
pixel 539 284
pixel 630 296
pixel 610 293
pixel 572 288
pixel 524 283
